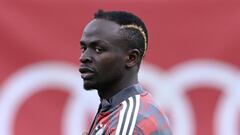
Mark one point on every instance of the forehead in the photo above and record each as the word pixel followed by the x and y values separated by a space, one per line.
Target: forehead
pixel 100 29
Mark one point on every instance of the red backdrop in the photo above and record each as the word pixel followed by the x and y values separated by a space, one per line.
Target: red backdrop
pixel 200 38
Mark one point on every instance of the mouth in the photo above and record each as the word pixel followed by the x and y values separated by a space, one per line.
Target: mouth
pixel 86 73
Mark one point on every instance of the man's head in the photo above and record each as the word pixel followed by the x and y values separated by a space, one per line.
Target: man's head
pixel 113 45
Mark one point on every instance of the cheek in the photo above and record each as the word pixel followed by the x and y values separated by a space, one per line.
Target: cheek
pixel 112 65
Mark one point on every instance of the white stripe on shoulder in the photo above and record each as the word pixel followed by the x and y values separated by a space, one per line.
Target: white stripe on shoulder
pixel 135 114
pixel 130 110
pixel 121 115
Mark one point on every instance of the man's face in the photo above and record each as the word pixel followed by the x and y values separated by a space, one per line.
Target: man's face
pixel 103 57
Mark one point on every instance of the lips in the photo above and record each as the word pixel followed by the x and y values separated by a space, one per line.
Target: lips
pixel 86 72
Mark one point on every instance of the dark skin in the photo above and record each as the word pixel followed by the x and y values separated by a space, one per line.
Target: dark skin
pixel 107 63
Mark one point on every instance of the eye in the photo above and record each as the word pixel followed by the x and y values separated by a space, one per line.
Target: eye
pixel 98 49
pixel 83 49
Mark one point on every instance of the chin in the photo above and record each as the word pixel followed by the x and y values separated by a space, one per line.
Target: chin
pixel 89 86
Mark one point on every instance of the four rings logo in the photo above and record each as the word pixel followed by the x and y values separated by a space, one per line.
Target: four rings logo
pixel 173 84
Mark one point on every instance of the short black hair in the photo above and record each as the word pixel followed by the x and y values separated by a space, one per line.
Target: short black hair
pixel 137 38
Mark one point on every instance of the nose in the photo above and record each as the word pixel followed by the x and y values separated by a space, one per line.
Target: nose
pixel 85 57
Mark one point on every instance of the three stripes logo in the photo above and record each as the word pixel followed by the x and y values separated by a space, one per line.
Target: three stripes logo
pixel 128 115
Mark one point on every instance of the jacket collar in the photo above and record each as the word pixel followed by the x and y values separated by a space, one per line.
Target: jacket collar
pixel 120 96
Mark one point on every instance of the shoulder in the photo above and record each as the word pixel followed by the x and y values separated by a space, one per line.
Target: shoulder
pixel 151 119
pixel 139 115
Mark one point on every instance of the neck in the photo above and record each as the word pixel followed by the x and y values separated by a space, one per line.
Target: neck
pixel 111 89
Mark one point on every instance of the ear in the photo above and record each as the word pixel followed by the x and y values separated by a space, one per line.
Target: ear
pixel 133 58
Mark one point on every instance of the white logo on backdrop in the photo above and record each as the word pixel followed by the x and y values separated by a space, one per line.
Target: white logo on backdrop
pixel 23 84
pixel 169 87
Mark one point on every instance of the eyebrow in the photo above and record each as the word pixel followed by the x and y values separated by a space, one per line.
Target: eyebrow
pixel 93 42
pixel 82 43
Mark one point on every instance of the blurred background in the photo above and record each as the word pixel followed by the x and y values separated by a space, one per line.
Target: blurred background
pixel 192 67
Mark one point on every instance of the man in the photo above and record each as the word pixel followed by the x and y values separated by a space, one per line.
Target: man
pixel 113 45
